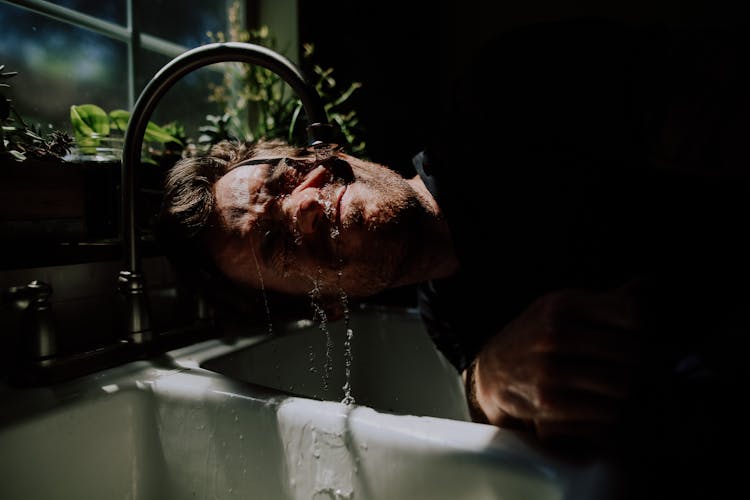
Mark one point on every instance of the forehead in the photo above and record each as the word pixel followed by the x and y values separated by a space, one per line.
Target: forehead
pixel 238 190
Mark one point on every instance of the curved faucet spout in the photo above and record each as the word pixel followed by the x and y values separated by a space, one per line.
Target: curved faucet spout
pixel 319 131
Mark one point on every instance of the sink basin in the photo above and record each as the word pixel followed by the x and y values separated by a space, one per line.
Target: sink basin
pixel 201 423
pixel 394 366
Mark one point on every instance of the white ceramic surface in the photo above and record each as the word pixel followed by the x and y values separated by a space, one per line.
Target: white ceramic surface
pixel 393 365
pixel 166 430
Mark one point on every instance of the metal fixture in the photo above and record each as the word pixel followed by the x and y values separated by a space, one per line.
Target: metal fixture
pixel 38 340
pixel 319 131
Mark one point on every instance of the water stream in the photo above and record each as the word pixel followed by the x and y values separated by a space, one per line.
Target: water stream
pixel 263 292
pixel 320 314
pixel 348 357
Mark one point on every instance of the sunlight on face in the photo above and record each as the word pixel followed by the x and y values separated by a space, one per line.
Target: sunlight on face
pixel 289 230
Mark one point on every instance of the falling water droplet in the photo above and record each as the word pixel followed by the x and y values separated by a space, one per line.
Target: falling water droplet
pixel 295 231
pixel 315 296
pixel 348 355
pixel 265 295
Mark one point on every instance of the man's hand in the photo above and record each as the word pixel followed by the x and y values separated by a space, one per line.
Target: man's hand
pixel 564 367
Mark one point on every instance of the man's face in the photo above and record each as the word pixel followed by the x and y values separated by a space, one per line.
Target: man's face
pixel 333 227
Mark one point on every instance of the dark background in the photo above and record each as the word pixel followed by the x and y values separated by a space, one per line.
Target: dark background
pixel 407 53
pixel 406 56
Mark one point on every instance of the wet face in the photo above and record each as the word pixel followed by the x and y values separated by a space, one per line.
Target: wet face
pixel 342 225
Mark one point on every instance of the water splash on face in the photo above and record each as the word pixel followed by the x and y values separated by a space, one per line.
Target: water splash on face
pixel 328 211
pixel 295 231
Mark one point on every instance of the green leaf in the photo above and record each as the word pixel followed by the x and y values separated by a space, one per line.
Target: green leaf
pixel 154 133
pixel 17 155
pixel 293 122
pixel 89 119
pixel 119 119
pixel 33 135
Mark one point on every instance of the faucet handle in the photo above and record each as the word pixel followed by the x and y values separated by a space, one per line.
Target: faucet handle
pixel 135 311
pixel 39 329
pixel 39 291
pixel 38 333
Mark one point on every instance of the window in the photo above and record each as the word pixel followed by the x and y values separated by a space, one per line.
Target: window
pixel 84 51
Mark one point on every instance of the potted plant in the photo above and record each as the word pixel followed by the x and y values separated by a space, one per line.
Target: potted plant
pixel 256 103
pixel 99 137
pixel 39 200
pixel 62 189
pixel 20 142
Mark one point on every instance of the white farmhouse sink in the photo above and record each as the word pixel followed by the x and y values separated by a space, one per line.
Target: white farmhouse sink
pixel 173 429
pixel 394 365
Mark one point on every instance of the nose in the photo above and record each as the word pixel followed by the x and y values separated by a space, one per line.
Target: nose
pixel 306 210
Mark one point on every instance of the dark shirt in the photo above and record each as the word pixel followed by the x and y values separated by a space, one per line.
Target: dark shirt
pixel 552 165
pixel 588 153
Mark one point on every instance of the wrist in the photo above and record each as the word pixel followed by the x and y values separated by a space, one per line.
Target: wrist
pixel 470 385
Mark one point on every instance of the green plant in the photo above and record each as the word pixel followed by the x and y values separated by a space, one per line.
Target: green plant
pixel 91 125
pixel 20 141
pixel 256 103
pixel 335 104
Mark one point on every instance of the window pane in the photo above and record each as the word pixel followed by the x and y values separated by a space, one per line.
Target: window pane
pixel 187 101
pixel 111 10
pixel 185 22
pixel 59 65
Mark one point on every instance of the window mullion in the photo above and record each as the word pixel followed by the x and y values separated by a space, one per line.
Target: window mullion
pixel 73 17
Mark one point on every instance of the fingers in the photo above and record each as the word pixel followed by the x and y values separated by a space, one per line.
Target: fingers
pixel 577 339
pixel 561 415
pixel 594 376
pixel 565 365
pixel 576 397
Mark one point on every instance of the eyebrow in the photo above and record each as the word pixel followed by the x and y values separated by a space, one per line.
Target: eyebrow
pixel 259 161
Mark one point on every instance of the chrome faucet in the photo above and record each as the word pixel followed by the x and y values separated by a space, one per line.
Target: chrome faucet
pixel 131 282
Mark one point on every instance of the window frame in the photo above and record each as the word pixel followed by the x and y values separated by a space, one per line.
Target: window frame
pixel 130 33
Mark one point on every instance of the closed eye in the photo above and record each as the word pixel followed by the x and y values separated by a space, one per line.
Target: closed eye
pixel 274 250
pixel 285 175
